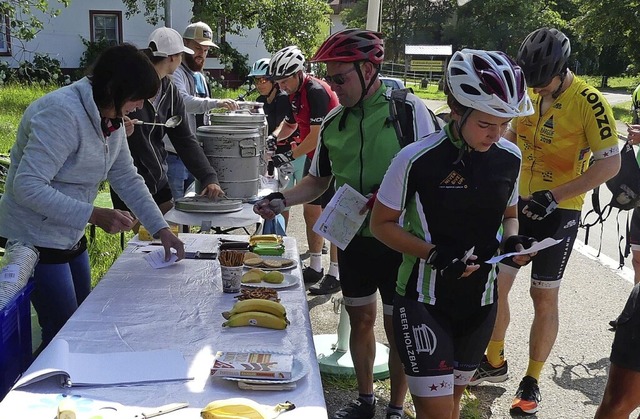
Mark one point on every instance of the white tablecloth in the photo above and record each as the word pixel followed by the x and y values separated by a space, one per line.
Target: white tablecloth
pixel 137 308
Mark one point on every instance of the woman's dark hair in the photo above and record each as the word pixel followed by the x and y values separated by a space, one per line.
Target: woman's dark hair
pixel 120 74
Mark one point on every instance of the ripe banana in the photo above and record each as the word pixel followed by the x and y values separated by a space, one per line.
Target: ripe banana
pixel 256 304
pixel 235 408
pixel 241 408
pixel 256 318
pixel 265 238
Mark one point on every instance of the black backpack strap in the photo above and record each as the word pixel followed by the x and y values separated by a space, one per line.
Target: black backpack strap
pixel 399 117
pixel 601 215
pixel 620 239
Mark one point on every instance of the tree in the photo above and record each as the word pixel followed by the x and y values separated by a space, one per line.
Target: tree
pixel 500 24
pixel 610 25
pixel 281 22
pixel 24 22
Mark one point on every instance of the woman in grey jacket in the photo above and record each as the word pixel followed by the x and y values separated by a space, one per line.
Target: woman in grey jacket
pixel 68 142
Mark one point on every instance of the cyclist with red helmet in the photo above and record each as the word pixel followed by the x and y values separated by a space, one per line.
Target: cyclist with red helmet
pixel 572 122
pixel 356 145
pixel 311 99
pixel 457 193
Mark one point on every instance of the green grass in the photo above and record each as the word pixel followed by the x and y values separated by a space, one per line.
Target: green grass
pixel 14 99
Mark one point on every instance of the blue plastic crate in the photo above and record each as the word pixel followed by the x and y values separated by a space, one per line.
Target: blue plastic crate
pixel 15 339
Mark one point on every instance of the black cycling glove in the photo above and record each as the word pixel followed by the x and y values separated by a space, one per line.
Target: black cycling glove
pixel 542 203
pixel 275 200
pixel 511 243
pixel 271 142
pixel 280 159
pixel 447 261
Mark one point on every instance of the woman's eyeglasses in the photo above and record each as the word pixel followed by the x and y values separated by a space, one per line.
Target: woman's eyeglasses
pixel 338 78
pixel 261 80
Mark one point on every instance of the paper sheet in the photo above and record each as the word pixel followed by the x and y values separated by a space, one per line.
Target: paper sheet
pixel 548 242
pixel 84 369
pixel 156 259
pixel 341 218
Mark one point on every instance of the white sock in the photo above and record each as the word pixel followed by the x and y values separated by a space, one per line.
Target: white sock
pixel 333 269
pixel 316 261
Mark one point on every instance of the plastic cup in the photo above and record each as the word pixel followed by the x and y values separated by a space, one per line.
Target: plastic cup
pixel 231 278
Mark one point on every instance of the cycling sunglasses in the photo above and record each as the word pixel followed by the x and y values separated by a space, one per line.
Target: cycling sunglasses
pixel 338 78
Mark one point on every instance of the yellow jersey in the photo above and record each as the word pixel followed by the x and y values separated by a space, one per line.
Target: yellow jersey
pixel 557 146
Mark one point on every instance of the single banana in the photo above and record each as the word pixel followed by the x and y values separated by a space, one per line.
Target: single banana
pixel 257 304
pixel 241 408
pixel 256 318
pixel 235 408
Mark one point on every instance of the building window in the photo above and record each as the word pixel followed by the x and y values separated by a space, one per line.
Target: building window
pixel 5 36
pixel 106 25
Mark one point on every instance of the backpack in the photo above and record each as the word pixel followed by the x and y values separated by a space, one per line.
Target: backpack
pixel 401 116
pixel 625 191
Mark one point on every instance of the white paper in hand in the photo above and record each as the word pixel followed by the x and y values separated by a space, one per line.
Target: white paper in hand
pixel 341 218
pixel 548 242
pixel 156 259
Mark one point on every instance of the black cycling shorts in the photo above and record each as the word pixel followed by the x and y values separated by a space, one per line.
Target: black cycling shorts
pixel 367 265
pixel 625 351
pixel 436 341
pixel 322 200
pixel 549 264
pixel 160 197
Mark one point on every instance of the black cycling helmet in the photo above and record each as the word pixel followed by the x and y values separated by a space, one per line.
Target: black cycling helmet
pixel 543 55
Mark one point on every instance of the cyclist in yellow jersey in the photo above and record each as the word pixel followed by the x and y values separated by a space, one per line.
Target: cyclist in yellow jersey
pixel 572 122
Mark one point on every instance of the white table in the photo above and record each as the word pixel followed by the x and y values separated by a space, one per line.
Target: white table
pixel 137 308
pixel 219 221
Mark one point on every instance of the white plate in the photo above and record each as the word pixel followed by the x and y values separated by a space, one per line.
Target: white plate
pixel 265 268
pixel 289 281
pixel 298 370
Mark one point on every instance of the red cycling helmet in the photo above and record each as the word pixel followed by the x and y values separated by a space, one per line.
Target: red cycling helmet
pixel 351 45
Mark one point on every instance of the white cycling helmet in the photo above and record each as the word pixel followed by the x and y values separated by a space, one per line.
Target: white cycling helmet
pixel 488 81
pixel 286 62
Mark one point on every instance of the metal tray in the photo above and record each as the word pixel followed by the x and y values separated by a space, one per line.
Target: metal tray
pixel 204 204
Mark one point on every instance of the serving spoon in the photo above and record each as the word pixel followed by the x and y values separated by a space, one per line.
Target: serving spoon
pixel 172 122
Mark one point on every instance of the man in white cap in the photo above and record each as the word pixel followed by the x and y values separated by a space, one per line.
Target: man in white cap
pixel 193 88
pixel 148 151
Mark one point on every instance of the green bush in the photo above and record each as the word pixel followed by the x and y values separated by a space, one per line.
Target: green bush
pixel 43 70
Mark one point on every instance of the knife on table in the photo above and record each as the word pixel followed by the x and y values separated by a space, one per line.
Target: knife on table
pixel 157 411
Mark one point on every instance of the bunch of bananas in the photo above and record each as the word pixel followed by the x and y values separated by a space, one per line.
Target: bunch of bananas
pixel 257 312
pixel 265 238
pixel 241 408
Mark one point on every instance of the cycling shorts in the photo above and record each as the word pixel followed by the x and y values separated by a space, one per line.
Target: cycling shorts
pixel 440 346
pixel 549 264
pixel 634 230
pixel 367 265
pixel 626 343
pixel 322 200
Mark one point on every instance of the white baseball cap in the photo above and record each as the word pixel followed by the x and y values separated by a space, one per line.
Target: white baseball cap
pixel 164 42
pixel 201 33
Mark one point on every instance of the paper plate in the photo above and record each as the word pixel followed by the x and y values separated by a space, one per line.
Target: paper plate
pixel 298 371
pixel 289 281
pixel 266 268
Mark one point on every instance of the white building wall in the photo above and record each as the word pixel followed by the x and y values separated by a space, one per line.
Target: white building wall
pixel 61 36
